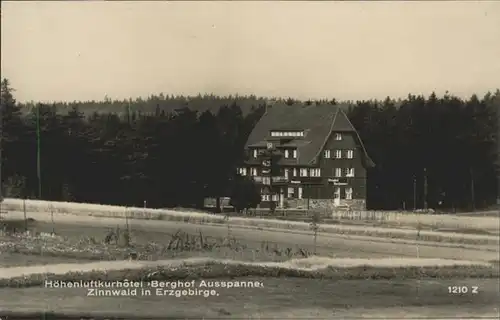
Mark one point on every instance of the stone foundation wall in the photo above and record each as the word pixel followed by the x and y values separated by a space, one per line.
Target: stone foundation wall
pixel 320 204
pixel 325 204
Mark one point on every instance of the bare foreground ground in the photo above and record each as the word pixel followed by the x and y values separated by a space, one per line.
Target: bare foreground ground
pixel 14 260
pixel 280 298
pixel 327 245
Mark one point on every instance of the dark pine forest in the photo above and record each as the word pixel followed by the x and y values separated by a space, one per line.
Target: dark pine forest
pixel 175 151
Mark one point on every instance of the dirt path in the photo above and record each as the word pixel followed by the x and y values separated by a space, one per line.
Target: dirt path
pixel 312 262
pixel 328 244
pixel 244 222
pixel 18 259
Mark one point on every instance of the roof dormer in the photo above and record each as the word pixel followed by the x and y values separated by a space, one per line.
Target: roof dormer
pixel 287 133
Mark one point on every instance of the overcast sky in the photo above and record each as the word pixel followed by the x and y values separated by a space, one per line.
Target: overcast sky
pixel 347 50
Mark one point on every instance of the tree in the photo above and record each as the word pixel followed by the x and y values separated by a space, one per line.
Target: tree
pixel 245 194
pixel 11 111
pixel 11 129
pixel 179 150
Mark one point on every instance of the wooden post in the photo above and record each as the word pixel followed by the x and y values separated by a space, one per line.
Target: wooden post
pixel 25 218
pixel 52 218
pixel 473 198
pixel 414 193
pixel 425 189
pixel 316 218
pixel 126 218
pixel 38 151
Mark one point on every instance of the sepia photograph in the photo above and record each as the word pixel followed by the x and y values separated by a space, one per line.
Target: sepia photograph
pixel 250 160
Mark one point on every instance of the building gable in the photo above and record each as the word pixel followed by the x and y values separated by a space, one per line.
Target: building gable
pixel 342 124
pixel 317 121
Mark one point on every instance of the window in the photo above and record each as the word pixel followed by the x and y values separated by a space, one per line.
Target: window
pixel 266 180
pixel 287 154
pixel 242 171
pixel 300 193
pixel 290 193
pixel 338 172
pixel 287 133
pixel 253 171
pixel 295 154
pixel 294 172
pixel 338 154
pixel 349 172
pixel 275 197
pixel 338 136
pixel 286 173
pixel 327 154
pixel 350 154
pixel 348 193
pixel 266 197
pixel 255 153
pixel 303 172
pixel 315 172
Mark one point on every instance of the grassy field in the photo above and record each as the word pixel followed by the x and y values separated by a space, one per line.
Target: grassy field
pixel 480 223
pixel 76 244
pixel 348 232
pixel 279 299
pixel 475 224
pixel 155 236
pixel 362 221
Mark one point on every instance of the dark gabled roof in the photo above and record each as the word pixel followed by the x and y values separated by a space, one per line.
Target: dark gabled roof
pixel 318 122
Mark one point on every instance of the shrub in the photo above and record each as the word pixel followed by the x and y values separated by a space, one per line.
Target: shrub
pixel 180 244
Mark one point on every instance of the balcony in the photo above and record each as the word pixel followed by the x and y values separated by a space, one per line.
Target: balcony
pixel 259 179
pixel 339 181
pixel 267 180
pixel 280 179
